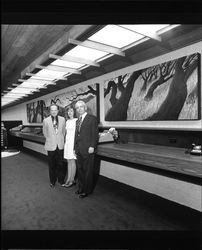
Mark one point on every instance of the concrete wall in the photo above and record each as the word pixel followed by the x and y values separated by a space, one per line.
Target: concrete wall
pixel 17 112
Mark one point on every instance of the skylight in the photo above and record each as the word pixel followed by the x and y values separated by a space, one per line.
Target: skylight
pixel 146 29
pixel 115 36
pixel 86 53
pixel 110 40
pixel 20 90
pixel 67 64
pixel 50 74
pixel 32 84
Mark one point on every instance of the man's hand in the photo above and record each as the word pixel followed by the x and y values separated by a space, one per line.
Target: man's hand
pixel 91 150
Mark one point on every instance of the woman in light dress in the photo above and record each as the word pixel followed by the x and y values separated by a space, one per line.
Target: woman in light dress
pixel 69 147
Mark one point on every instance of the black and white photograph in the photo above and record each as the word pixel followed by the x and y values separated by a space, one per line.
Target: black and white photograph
pixel 101 135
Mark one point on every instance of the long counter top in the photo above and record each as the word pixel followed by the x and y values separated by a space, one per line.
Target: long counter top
pixel 162 157
pixel 29 136
pixel 155 156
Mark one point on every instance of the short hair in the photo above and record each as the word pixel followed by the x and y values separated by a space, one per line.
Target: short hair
pixel 82 102
pixel 54 105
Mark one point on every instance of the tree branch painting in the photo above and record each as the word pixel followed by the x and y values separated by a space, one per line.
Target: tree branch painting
pixel 88 94
pixel 167 91
pixel 34 112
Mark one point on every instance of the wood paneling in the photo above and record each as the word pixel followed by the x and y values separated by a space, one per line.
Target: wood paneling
pixel 23 44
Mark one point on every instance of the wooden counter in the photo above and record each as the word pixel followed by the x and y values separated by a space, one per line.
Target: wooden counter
pixel 162 157
pixel 155 156
pixel 29 136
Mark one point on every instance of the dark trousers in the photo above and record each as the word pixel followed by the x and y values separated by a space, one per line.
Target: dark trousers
pixel 56 167
pixel 85 165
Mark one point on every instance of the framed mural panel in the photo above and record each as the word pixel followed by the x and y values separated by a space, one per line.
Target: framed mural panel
pixel 169 91
pixel 35 112
pixel 89 94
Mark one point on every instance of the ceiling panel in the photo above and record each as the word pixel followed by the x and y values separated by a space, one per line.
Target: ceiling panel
pixel 22 44
pixel 25 46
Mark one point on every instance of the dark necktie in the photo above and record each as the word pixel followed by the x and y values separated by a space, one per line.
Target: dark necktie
pixel 55 125
pixel 79 123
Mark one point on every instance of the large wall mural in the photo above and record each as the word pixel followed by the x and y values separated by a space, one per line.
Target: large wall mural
pixel 164 92
pixel 167 91
pixel 37 111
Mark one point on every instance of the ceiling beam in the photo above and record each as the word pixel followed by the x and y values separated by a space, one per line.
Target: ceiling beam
pixel 16 93
pixel 9 97
pixel 98 46
pixel 34 76
pixel 16 96
pixel 59 68
pixel 76 31
pixel 35 80
pixel 68 58
pixel 32 89
pixel 27 81
pixel 21 87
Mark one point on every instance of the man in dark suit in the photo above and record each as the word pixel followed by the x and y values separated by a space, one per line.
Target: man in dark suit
pixel 86 139
pixel 54 132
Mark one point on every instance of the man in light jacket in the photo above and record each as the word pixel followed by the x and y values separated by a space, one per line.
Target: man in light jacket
pixel 54 132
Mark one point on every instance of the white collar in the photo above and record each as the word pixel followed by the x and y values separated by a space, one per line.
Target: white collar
pixel 84 115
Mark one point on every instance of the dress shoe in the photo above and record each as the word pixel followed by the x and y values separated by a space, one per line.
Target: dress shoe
pixel 78 192
pixel 67 184
pixel 52 185
pixel 83 195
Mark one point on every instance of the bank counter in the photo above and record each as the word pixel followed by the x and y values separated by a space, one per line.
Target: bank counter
pixel 169 172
